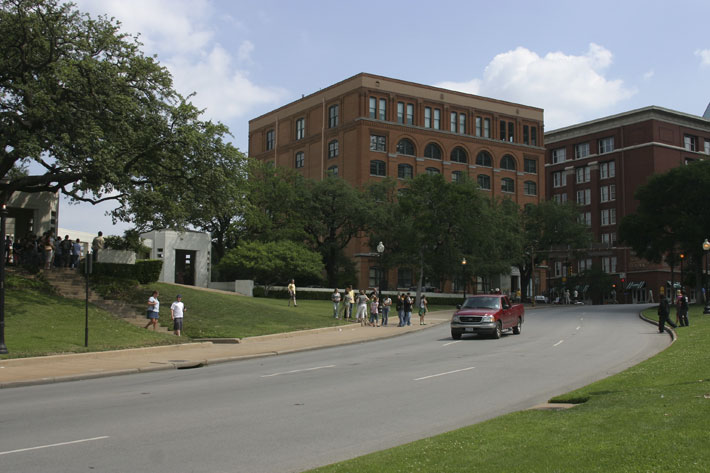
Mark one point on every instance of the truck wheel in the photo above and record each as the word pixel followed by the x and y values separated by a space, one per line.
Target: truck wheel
pixel 455 334
pixel 518 327
pixel 499 330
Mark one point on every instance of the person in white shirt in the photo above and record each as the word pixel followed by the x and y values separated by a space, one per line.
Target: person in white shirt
pixel 153 311
pixel 177 309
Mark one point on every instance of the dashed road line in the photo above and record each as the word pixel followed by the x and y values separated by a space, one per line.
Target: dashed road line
pixel 558 343
pixel 297 371
pixel 61 444
pixel 442 374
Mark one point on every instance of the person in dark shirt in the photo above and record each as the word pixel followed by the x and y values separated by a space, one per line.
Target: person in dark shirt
pixel 664 310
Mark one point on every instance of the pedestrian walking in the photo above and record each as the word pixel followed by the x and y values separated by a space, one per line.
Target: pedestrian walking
pixel 400 309
pixel 386 304
pixel 362 301
pixel 292 293
pixel 177 311
pixel 664 310
pixel 153 311
pixel 683 309
pixel 335 297
pixel 423 309
pixel 407 307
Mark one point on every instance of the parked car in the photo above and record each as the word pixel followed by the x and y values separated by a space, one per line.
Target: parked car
pixel 488 314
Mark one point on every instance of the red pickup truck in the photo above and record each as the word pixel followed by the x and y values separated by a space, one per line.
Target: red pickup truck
pixel 487 314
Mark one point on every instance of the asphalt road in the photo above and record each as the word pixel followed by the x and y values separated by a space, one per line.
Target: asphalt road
pixel 294 412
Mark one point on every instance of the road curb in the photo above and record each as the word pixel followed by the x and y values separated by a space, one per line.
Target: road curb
pixel 669 330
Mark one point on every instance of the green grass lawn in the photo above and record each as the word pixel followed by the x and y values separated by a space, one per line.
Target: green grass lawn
pixel 654 417
pixel 39 322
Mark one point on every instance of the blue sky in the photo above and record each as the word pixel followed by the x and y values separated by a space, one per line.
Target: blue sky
pixel 576 60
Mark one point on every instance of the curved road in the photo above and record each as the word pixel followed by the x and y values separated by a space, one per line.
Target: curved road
pixel 294 412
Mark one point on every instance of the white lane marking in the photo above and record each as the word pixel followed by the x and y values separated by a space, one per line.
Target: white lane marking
pixel 451 343
pixel 578 328
pixel 442 374
pixel 558 343
pixel 54 445
pixel 297 371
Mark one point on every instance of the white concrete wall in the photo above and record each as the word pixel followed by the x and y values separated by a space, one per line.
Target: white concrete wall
pixel 244 287
pixel 117 256
pixel 165 242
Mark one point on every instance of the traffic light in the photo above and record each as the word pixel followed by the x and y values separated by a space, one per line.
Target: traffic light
pixel 613 286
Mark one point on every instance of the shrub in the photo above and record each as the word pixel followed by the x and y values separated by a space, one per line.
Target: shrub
pixel 145 271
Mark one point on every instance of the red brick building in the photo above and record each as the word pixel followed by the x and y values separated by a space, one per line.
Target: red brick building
pixel 599 164
pixel 368 127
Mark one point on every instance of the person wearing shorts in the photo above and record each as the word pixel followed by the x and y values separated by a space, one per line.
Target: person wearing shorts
pixel 153 311
pixel 177 309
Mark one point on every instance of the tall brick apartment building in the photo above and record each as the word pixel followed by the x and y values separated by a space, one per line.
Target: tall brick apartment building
pixel 368 127
pixel 599 164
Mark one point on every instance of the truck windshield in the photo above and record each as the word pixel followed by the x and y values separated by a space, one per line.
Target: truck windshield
pixel 482 303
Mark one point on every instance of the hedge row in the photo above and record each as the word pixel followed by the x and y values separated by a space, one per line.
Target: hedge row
pixel 145 271
pixel 280 293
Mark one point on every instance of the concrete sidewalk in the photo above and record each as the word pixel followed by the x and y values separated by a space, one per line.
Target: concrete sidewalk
pixel 71 367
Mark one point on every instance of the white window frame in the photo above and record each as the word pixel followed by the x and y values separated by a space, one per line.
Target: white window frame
pixel 581 150
pixel 559 155
pixel 605 145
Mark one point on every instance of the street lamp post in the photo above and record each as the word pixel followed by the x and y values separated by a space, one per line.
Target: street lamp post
pixel 380 250
pixel 532 274
pixel 463 273
pixel 3 218
pixel 706 249
pixel 682 257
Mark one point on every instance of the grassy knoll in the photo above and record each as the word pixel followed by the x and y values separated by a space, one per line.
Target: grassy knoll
pixel 38 322
pixel 653 417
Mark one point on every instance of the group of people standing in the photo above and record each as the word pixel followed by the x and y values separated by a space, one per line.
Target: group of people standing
pixel 47 251
pixel 379 307
pixel 664 311
pixel 177 311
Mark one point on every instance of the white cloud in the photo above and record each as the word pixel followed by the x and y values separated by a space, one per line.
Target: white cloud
pixel 704 55
pixel 649 74
pixel 245 50
pixel 570 88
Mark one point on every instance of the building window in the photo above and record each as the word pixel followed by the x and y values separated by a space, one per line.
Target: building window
pixel 404 278
pixel 607 170
pixel 530 188
pixel 559 179
pixel 690 142
pixel 484 181
pixel 584 265
pixel 383 109
pixel 300 128
pixel 586 218
pixel 530 165
pixel 373 107
pixel 400 112
pixel 300 159
pixel 526 135
pixel 558 155
pixel 608 193
pixel 377 276
pixel 581 150
pixel 462 123
pixel 332 171
pixel 533 136
pixel 378 143
pixel 608 217
pixel 584 196
pixel 410 114
pixel 508 162
pixel 427 117
pixel 486 127
pixel 405 147
pixel 507 185
pixel 707 146
pixel 333 116
pixel 432 171
pixel 606 145
pixel 609 239
pixel 511 132
pixel 560 198
pixel 484 159
pixel 333 149
pixel 432 151
pixel 609 264
pixel 458 155
pixel 454 122
pixel 270 139
pixel 456 176
pixel 458 123
pixel 583 174
pixel 405 171
pixel 378 168
pixel 503 129
pixel 437 119
pixel 479 126
pixel 529 135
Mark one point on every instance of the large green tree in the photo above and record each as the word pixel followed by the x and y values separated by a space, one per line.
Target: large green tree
pixel 83 110
pixel 673 216
pixel 546 226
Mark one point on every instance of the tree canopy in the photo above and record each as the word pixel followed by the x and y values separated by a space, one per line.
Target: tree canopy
pixel 84 111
